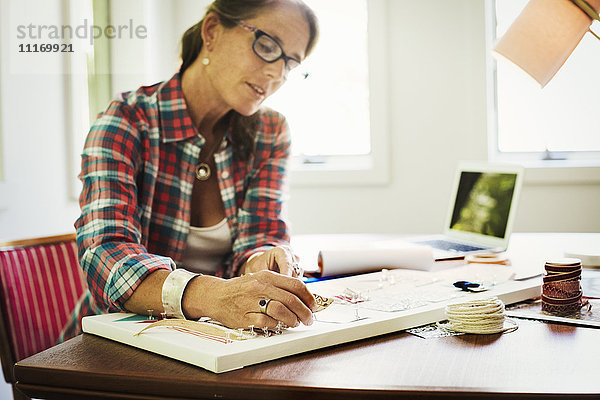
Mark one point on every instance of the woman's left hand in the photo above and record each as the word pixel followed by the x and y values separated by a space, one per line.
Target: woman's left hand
pixel 279 259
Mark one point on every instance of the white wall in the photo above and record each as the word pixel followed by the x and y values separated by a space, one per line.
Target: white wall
pixel 438 116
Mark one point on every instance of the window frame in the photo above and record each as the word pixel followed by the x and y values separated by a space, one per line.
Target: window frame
pixel 3 184
pixel 571 167
pixel 1 143
pixel 89 88
pixel 373 168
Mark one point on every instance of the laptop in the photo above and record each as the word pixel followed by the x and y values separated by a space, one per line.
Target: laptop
pixel 481 211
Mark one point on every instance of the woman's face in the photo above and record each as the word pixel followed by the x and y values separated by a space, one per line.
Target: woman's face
pixel 241 78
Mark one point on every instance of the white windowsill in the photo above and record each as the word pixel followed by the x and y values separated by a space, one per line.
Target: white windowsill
pixel 363 170
pixel 582 171
pixel 561 173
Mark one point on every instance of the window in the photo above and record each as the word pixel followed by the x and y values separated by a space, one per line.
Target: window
pixel 560 121
pixel 337 119
pixel 1 150
pixel 329 111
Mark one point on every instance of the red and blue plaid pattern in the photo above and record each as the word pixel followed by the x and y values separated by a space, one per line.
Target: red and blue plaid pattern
pixel 138 170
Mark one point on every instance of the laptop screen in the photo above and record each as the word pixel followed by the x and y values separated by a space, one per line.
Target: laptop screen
pixel 483 202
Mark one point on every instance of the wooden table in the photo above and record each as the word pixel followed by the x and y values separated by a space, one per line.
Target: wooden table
pixel 534 362
pixel 538 361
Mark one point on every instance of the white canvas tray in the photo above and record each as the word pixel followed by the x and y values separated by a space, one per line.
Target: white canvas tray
pixel 423 294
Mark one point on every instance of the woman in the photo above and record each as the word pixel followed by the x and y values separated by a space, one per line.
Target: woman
pixel 190 173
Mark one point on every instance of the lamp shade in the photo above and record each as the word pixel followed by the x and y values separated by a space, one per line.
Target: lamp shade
pixel 544 36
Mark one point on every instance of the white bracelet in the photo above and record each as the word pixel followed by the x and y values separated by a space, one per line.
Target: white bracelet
pixel 172 291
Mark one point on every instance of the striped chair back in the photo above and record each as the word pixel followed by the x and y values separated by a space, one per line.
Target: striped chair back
pixel 41 282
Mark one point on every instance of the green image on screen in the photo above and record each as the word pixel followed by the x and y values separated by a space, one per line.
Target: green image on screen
pixel 483 203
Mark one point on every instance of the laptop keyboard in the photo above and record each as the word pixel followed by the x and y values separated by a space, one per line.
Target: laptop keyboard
pixel 450 246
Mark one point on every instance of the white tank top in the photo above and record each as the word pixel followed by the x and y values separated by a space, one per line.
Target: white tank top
pixel 206 248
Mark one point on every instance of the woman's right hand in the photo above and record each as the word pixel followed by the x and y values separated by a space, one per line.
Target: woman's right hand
pixel 235 302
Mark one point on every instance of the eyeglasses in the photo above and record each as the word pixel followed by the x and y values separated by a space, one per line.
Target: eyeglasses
pixel 269 50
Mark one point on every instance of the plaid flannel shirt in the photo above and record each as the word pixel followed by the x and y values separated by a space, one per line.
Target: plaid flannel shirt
pixel 138 170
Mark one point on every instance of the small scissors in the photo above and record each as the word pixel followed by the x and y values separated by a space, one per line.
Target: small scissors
pixel 470 286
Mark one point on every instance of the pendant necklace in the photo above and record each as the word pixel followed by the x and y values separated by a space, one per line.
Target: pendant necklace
pixel 203 170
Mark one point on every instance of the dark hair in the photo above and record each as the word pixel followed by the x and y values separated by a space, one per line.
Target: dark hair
pixel 230 11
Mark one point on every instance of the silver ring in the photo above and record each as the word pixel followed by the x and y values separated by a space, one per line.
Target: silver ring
pixel 263 303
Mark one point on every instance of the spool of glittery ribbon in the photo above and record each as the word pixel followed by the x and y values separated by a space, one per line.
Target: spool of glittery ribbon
pixel 561 290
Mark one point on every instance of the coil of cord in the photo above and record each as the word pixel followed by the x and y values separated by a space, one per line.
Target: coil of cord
pixel 484 316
